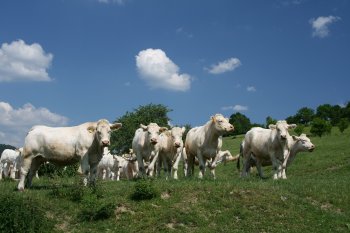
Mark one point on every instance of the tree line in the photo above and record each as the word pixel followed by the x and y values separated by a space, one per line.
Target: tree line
pixel 320 120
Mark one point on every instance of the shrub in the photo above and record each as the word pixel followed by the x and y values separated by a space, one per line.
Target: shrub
pixel 320 127
pixel 22 214
pixel 299 129
pixel 94 209
pixel 144 190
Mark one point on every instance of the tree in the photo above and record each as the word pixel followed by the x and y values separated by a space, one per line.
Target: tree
pixel 320 126
pixel 121 140
pixel 305 115
pixel 240 122
pixel 343 124
pixel 299 129
pixel 269 121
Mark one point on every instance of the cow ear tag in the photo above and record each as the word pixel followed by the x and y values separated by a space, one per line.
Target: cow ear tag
pixel 91 129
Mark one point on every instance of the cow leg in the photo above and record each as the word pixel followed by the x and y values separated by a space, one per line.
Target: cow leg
pixel 284 164
pixel 27 162
pixel 151 165
pixel 142 171
pixel 202 163
pixel 93 171
pixel 259 168
pixel 246 164
pixel 36 162
pixel 176 164
pixel 1 169
pixel 275 165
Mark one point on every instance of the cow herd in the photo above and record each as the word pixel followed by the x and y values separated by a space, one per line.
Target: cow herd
pixel 154 149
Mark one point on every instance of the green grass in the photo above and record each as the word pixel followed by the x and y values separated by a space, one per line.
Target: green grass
pixel 314 198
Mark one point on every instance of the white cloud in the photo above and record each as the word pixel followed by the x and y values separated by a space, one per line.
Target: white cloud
pixel 225 66
pixel 236 108
pixel 321 24
pixel 160 72
pixel 15 123
pixel 19 61
pixel 251 89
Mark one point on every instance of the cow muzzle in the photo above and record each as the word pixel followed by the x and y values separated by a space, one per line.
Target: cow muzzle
pixel 177 144
pixel 311 149
pixel 105 143
pixel 283 137
pixel 154 141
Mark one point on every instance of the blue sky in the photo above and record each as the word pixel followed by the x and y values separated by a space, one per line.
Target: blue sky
pixel 65 62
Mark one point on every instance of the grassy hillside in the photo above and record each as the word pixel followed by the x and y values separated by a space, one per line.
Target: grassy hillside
pixel 314 198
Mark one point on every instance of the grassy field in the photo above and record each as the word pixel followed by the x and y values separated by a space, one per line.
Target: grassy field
pixel 314 198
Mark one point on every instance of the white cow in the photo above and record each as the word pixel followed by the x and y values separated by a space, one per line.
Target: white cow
pixel 170 150
pixel 272 142
pixel 127 167
pixel 204 142
pixel 144 144
pixel 297 144
pixel 64 146
pixel 10 162
pixel 108 166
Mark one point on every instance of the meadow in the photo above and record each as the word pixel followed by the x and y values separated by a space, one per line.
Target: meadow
pixel 314 198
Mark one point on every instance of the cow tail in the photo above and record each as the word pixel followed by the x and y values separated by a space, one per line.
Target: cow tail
pixel 239 157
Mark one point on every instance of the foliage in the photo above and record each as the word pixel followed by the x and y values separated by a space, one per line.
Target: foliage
pixel 269 120
pixel 94 209
pixel 22 214
pixel 343 124
pixel 51 170
pixel 299 129
pixel 240 122
pixel 320 127
pixel 121 139
pixel 144 190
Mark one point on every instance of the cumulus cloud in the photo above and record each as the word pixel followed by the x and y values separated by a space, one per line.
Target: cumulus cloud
pixel 225 66
pixel 19 61
pixel 159 72
pixel 15 123
pixel 320 26
pixel 251 89
pixel 236 108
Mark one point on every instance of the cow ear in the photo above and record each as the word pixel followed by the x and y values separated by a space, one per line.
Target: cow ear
pixel 213 119
pixel 143 127
pixel 271 126
pixel 183 129
pixel 302 135
pixel 292 126
pixel 295 138
pixel 116 126
pixel 162 129
pixel 91 129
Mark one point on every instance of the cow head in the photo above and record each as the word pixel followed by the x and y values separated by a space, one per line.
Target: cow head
pixel 176 135
pixel 102 130
pixel 221 123
pixel 153 131
pixel 303 143
pixel 282 129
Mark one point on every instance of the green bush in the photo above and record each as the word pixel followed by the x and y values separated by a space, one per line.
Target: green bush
pixel 144 190
pixel 94 209
pixel 22 214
